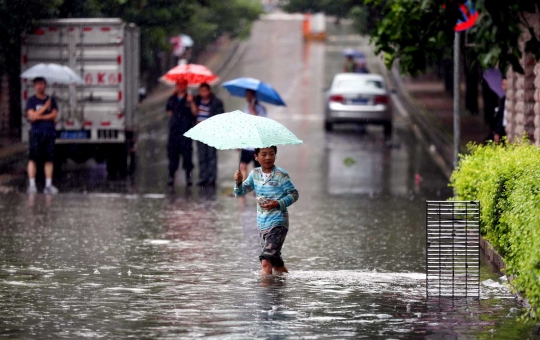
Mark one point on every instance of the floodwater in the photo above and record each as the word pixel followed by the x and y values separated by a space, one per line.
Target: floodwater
pixel 119 259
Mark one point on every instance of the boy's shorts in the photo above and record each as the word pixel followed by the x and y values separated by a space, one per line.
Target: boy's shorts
pixel 41 147
pixel 271 241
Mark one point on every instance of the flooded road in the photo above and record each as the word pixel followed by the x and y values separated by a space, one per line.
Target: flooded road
pixel 119 259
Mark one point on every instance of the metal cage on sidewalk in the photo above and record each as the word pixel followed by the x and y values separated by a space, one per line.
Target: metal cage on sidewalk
pixel 453 249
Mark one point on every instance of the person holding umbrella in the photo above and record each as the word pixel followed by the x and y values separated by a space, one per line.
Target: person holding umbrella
pixel 271 184
pixel 182 112
pixel 247 155
pixel 42 111
pixel 275 192
pixel 255 91
pixel 208 105
pixel 349 66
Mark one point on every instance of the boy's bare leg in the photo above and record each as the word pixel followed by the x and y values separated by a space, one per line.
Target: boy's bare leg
pixel 266 267
pixel 32 169
pixel 281 270
pixel 49 170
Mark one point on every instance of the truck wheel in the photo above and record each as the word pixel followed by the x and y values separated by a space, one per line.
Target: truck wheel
pixel 123 161
pixel 59 160
pixel 117 161
pixel 387 130
pixel 328 126
pixel 112 166
pixel 132 162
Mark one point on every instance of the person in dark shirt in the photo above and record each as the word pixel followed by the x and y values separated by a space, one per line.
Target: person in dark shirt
pixel 182 112
pixel 208 105
pixel 500 117
pixel 42 111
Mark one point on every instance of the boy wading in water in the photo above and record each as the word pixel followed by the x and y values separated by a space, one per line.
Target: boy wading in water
pixel 275 192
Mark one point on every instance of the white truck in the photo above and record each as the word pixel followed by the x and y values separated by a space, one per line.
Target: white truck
pixel 99 119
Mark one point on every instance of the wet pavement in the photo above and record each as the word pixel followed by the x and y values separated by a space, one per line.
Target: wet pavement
pixel 118 259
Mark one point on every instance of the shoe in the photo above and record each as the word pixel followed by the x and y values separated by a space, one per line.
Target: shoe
pixel 170 182
pixel 31 190
pixel 201 183
pixel 50 190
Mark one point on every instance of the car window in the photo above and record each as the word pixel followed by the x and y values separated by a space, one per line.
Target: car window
pixel 357 84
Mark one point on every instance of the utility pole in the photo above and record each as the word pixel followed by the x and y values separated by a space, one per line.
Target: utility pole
pixel 456 99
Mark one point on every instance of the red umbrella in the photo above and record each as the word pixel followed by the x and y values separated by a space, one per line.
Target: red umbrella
pixel 193 73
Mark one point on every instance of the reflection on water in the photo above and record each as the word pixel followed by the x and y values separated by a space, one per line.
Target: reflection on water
pixel 168 267
pixel 359 163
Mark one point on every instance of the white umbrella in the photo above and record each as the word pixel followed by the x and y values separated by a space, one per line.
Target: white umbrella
pixel 186 40
pixel 53 73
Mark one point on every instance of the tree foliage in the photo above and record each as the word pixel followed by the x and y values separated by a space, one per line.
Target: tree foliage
pixel 158 20
pixel 204 20
pixel 506 181
pixel 416 32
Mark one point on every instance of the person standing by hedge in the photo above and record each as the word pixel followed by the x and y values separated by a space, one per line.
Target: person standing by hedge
pixel 208 105
pixel 42 111
pixel 500 117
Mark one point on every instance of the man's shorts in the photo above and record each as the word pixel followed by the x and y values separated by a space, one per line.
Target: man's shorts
pixel 248 156
pixel 271 241
pixel 41 147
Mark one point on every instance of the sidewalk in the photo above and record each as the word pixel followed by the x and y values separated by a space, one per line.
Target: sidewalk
pixel 430 108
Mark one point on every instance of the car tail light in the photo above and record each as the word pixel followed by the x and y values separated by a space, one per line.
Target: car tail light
pixel 337 98
pixel 381 100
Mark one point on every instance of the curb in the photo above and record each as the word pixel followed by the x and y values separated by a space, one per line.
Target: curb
pixel 498 262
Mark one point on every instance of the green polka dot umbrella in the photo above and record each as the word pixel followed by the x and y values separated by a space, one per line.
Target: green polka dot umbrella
pixel 236 130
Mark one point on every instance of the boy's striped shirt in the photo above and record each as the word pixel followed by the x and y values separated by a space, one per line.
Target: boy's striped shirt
pixel 277 187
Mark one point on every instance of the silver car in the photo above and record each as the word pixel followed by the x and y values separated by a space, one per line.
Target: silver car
pixel 358 98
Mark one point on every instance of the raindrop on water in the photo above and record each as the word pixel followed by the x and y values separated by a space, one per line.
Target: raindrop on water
pixel 408 307
pixel 96 271
pixel 129 272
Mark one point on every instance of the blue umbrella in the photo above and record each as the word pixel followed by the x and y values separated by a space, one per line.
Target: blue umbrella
pixel 349 52
pixel 493 78
pixel 265 93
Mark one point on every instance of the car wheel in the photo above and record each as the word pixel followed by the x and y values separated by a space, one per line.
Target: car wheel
pixel 328 126
pixel 387 130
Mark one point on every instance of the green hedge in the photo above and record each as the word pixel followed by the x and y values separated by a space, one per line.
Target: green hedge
pixel 506 181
